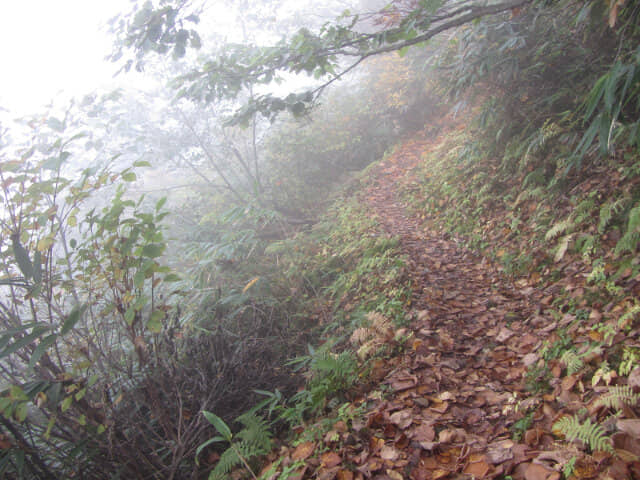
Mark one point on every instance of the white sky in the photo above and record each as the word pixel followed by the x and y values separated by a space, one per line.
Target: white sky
pixel 49 46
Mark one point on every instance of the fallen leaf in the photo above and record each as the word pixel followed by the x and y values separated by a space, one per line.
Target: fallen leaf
pixel 330 459
pixel 393 475
pixel 402 419
pixel 389 453
pixel 535 471
pixel 504 335
pixel 500 452
pixel 344 475
pixel 303 451
pixel 630 427
pixel 529 359
pixel 478 469
pixel 423 433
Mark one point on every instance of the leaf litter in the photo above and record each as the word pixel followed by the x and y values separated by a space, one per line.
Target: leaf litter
pixel 455 404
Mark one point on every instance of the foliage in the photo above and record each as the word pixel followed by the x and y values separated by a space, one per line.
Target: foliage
pixel 591 434
pixel 252 441
pixel 97 353
pixel 337 48
pixel 618 396
pixel 329 375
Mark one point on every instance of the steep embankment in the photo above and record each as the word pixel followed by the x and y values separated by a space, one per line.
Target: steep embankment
pixel 520 373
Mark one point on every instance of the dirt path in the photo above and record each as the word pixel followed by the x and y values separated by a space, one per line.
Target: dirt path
pixel 455 396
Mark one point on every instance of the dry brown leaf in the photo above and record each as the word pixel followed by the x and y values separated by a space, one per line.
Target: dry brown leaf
pixel 630 427
pixel 536 471
pixel 393 475
pixel 330 459
pixel 500 452
pixel 389 453
pixel 327 473
pixel 478 469
pixel 403 381
pixel 303 451
pixel 423 433
pixel 402 419
pixel 504 335
pixel 344 475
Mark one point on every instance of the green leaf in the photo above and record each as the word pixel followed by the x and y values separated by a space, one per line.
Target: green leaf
pixel 24 341
pixel 55 124
pixel 219 425
pixel 141 163
pixel 37 264
pixel 71 320
pixel 22 257
pixel 40 350
pixel 92 380
pixel 21 412
pixel 129 315
pixel 202 446
pixel 153 250
pixel 155 322
pixel 66 403
pixel 54 163
pixel 80 395
pixel 160 203
pixel 129 176
pixel 172 277
pixel 138 279
pixel 50 425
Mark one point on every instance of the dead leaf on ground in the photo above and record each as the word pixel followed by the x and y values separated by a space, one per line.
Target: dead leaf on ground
pixel 303 451
pixel 402 419
pixel 389 453
pixel 535 471
pixel 630 427
pixel 330 459
pixel 477 467
pixel 500 452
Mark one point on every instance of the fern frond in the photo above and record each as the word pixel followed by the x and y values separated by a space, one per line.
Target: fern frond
pixel 228 461
pixel 256 434
pixel 558 228
pixel 591 434
pixel 627 318
pixel 608 211
pixel 530 194
pixel 585 209
pixel 631 237
pixel 362 335
pixel 618 396
pixel 573 362
pixel 380 323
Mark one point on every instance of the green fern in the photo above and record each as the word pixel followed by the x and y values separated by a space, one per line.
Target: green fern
pixel 591 434
pixel 585 210
pixel 573 362
pixel 563 226
pixel 618 396
pixel 252 441
pixel 256 433
pixel 631 237
pixel 608 211
pixel 628 317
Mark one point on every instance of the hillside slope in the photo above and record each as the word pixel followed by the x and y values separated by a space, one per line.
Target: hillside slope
pixel 509 369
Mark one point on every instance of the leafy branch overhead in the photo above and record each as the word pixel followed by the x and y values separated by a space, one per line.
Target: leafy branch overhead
pixel 336 49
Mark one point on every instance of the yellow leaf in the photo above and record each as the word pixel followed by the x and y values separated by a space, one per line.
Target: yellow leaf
pixel 44 244
pixel 250 284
